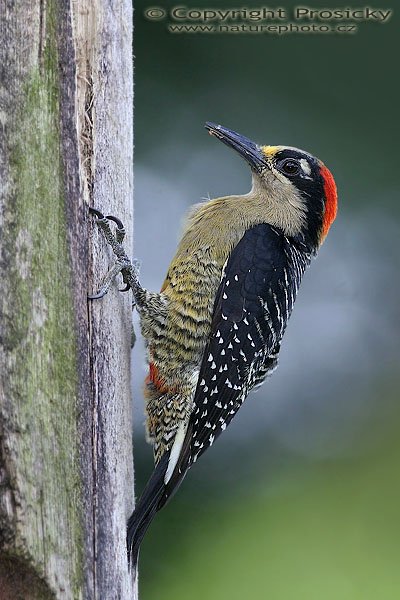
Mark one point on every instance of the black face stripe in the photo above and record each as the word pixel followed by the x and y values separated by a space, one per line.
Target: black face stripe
pixel 298 155
pixel 311 189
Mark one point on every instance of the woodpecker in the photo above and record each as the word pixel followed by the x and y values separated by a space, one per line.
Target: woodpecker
pixel 214 330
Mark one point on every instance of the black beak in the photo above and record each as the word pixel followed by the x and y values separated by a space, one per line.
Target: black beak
pixel 245 147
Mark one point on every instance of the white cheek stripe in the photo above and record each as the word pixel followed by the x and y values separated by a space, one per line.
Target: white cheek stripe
pixel 305 166
pixel 175 451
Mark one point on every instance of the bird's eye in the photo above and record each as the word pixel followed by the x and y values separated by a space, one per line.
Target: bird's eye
pixel 289 167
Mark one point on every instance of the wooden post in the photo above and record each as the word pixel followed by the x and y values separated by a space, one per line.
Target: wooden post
pixel 66 468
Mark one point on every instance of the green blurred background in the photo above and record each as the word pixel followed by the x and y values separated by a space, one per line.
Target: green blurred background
pixel 300 498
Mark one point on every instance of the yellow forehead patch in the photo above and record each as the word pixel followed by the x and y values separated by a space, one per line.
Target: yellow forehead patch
pixel 270 151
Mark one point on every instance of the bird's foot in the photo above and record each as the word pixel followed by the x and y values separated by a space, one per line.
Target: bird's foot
pixel 128 269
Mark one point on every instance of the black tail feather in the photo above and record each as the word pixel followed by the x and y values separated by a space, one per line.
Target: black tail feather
pixel 155 496
pixel 149 503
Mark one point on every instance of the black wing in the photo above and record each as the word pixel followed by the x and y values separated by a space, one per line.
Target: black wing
pixel 252 307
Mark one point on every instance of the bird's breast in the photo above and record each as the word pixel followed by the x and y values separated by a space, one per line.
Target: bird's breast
pixel 190 291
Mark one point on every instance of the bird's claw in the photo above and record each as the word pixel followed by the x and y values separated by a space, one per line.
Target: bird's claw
pixel 97 296
pixel 103 222
pixel 122 265
pixel 125 289
pixel 96 213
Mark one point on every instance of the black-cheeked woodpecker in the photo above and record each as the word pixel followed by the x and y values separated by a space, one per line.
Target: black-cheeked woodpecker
pixel 214 330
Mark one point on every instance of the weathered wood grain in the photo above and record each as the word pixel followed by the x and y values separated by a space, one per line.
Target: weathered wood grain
pixel 66 470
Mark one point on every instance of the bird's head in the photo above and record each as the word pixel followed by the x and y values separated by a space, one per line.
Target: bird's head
pixel 296 190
